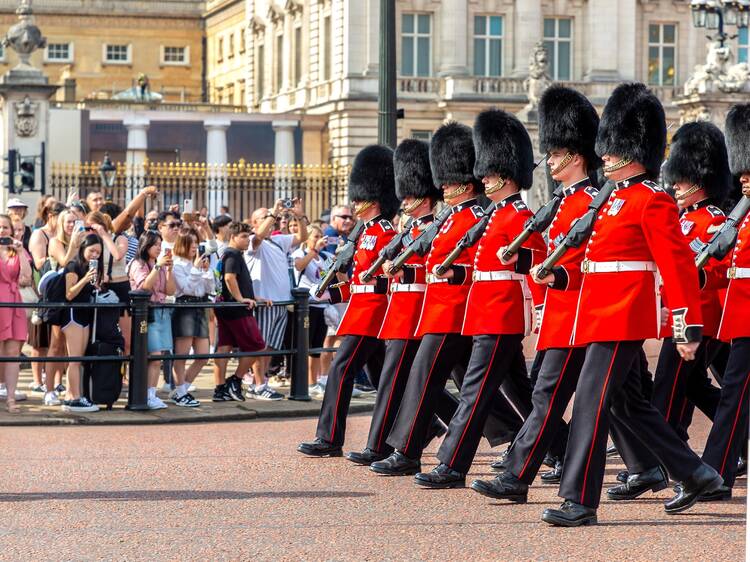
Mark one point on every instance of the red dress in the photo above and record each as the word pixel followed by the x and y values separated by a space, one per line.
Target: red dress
pixel 734 322
pixel 13 325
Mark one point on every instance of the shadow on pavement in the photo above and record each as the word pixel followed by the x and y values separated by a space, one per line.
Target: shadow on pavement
pixel 177 495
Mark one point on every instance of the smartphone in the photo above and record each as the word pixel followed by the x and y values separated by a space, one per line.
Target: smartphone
pixel 187 206
pixel 6 241
pixel 201 250
pixel 78 226
pixel 168 252
pixel 93 265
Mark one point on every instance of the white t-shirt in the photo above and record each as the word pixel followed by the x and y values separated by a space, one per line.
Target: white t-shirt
pixel 269 267
pixel 312 274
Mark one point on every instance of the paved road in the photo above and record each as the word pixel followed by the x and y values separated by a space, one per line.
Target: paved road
pixel 239 491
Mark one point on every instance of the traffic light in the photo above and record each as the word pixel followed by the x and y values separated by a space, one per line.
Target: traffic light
pixel 25 177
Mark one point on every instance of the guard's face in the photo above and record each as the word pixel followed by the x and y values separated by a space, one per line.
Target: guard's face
pixel 745 181
pixel 616 168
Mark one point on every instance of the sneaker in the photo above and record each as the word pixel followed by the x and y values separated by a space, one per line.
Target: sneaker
pixel 51 399
pixel 234 388
pixel 365 388
pixel 167 388
pixel 37 388
pixel 221 394
pixel 357 393
pixel 316 391
pixel 20 396
pixel 81 404
pixel 192 388
pixel 264 392
pixel 155 403
pixel 60 388
pixel 186 401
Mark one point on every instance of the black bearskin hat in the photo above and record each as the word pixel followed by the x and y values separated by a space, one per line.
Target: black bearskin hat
pixel 568 120
pixel 411 164
pixel 738 138
pixel 698 155
pixel 633 126
pixel 503 148
pixel 371 178
pixel 452 156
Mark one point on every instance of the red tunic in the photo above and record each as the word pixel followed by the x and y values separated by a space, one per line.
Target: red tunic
pixel 698 224
pixel 365 311
pixel 638 223
pixel 445 303
pixel 502 307
pixel 561 301
pixel 734 322
pixel 404 307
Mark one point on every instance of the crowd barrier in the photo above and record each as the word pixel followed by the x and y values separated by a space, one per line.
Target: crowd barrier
pixel 139 357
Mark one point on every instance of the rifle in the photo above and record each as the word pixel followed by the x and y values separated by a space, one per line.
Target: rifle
pixel 421 244
pixel 724 240
pixel 538 223
pixel 471 237
pixel 389 252
pixel 343 258
pixel 579 231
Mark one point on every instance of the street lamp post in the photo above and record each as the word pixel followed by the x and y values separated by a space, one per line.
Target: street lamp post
pixel 107 172
pixel 387 74
pixel 714 14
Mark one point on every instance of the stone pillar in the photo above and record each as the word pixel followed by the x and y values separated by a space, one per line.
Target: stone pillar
pixel 454 24
pixel 526 33
pixel 373 37
pixel 216 158
pixel 605 24
pixel 284 157
pixel 136 155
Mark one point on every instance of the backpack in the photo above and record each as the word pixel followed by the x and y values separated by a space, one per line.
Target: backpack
pixel 52 289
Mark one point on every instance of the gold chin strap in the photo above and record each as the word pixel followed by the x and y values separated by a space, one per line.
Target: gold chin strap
pixel 692 189
pixel 567 159
pixel 411 208
pixel 497 186
pixel 363 207
pixel 460 190
pixel 614 167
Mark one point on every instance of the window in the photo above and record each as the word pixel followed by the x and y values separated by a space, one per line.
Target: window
pixel 297 70
pixel 326 70
pixel 557 40
pixel 229 89
pixel 260 71
pixel 279 62
pixel 416 47
pixel 421 135
pixel 117 54
pixel 488 45
pixel 58 52
pixel 662 43
pixel 242 41
pixel 742 45
pixel 230 55
pixel 174 55
pixel 241 92
pixel 220 49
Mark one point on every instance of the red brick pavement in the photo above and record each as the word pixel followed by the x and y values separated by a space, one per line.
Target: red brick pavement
pixel 239 491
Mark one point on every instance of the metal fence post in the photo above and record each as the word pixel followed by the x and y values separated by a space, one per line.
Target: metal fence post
pixel 138 383
pixel 300 343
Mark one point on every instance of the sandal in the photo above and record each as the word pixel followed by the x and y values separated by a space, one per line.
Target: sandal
pixel 12 407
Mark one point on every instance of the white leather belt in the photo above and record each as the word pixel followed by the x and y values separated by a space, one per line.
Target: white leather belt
pixel 432 278
pixel 357 289
pixel 616 266
pixel 497 276
pixel 408 287
pixel 738 273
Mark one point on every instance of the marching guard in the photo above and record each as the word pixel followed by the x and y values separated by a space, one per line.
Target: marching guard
pixel 372 190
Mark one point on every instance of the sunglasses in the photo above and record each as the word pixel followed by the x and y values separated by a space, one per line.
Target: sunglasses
pixel 173 224
pixel 345 217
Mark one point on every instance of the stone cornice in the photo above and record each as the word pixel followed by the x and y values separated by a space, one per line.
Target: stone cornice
pixel 163 8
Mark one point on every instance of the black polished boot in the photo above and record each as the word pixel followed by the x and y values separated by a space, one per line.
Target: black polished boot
pixel 553 476
pixel 612 451
pixel 741 467
pixel 704 480
pixel 549 461
pixel 499 464
pixel 622 476
pixel 398 464
pixel 654 479
pixel 722 493
pixel 366 457
pixel 570 514
pixel 319 448
pixel 505 486
pixel 442 476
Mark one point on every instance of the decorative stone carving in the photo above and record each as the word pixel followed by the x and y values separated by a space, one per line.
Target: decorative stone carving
pixel 538 79
pixel 26 121
pixel 24 37
pixel 719 74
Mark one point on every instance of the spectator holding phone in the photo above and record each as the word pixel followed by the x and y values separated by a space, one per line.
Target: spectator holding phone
pixel 15 270
pixel 194 281
pixel 64 246
pixel 83 275
pixel 151 271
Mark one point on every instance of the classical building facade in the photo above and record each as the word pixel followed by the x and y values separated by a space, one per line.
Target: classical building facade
pixel 456 57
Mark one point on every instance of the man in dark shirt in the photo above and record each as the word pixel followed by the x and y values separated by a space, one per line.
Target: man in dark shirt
pixel 237 326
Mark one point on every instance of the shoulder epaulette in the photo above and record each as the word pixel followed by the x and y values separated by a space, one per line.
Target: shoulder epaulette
pixel 385 224
pixel 715 211
pixel 478 211
pixel 591 191
pixel 520 205
pixel 653 186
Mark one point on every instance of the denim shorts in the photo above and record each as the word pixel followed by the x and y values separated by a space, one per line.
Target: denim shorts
pixel 160 331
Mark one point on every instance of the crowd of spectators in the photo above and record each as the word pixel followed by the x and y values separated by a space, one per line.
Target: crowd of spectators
pixel 93 251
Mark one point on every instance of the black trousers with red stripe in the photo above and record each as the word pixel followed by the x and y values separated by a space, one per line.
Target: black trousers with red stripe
pixel 491 362
pixel 607 371
pixel 399 356
pixel 729 431
pixel 354 353
pixel 553 390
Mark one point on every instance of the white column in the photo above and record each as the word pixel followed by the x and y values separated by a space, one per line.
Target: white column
pixel 372 38
pixel 454 24
pixel 216 158
pixel 527 31
pixel 137 127
pixel 603 61
pixel 283 155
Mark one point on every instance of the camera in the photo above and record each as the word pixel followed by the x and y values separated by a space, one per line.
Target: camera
pixel 6 241
pixel 288 203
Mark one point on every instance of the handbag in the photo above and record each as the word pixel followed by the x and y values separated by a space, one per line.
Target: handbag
pixel 28 295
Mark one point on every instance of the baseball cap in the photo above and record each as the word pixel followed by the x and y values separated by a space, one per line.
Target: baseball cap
pixel 15 202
